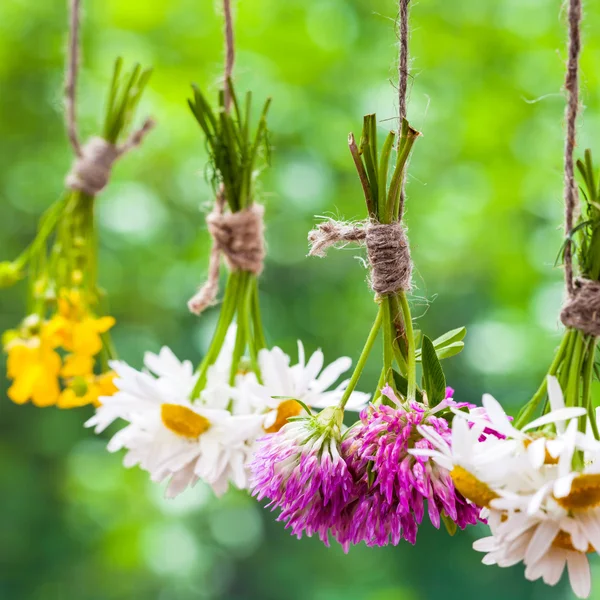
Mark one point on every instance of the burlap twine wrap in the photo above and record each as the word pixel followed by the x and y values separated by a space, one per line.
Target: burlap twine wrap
pixel 387 250
pixel 91 171
pixel 239 238
pixel 582 310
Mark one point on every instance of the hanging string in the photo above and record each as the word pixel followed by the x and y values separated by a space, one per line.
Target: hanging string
pixel 582 309
pixel 237 236
pixel 71 77
pixel 402 81
pixel 572 110
pixel 403 60
pixel 229 52
pixel 387 245
pixel 94 160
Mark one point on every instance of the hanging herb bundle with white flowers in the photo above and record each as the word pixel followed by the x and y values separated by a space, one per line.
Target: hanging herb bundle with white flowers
pixel 540 481
pixel 59 353
pixel 186 425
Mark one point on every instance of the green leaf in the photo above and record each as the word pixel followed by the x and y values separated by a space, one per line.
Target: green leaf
pixel 434 381
pixel 456 335
pixel 402 386
pixel 450 350
pixel 417 336
pixel 445 352
pixel 449 524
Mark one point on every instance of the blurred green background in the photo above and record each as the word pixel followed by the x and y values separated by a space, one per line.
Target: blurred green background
pixel 484 211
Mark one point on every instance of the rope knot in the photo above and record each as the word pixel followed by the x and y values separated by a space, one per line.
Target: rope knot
pixel 239 237
pixel 582 310
pixel 92 168
pixel 387 249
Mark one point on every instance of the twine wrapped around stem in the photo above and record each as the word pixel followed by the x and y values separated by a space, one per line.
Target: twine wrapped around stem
pixel 239 238
pixel 387 249
pixel 94 160
pixel 582 309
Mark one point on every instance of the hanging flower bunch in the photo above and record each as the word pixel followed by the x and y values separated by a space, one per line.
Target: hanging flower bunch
pixel 59 353
pixel 540 481
pixel 364 483
pixel 186 425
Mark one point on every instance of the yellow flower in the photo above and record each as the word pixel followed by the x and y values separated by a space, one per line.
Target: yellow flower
pixel 33 365
pixel 86 338
pixel 77 365
pixel 87 390
pixel 79 332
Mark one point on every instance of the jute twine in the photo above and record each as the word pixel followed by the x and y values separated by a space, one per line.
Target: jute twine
pixel 94 160
pixel 582 309
pixel 387 245
pixel 239 238
pixel 387 250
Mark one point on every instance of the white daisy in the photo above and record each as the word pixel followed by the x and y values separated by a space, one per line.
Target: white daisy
pixel 283 385
pixel 171 437
pixel 545 545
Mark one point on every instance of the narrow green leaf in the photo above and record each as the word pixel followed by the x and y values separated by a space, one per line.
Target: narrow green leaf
pixel 450 350
pixel 434 381
pixel 402 386
pixel 451 336
pixel 417 336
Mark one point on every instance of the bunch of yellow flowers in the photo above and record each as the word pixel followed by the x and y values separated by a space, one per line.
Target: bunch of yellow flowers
pixel 53 361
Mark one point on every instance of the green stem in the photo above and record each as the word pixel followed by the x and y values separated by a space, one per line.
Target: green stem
pixel 572 390
pixel 532 405
pixel 411 361
pixel 360 365
pixel 259 334
pixel 243 332
pixel 588 375
pixel 388 349
pixel 225 319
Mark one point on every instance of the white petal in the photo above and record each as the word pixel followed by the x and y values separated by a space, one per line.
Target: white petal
pixel 538 498
pixel 579 574
pixel 555 394
pixel 590 521
pixel 541 541
pixel 536 452
pixel 486 544
pixel 331 374
pixel 499 420
pixel 555 416
pixel 562 486
pixel 556 561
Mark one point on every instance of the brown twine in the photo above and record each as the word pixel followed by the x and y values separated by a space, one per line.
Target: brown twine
pixel 582 312
pixel 94 160
pixel 239 238
pixel 402 82
pixel 403 60
pixel 582 309
pixel 572 110
pixel 229 52
pixel 387 250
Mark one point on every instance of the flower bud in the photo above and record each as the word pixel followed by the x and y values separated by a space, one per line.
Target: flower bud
pixel 9 274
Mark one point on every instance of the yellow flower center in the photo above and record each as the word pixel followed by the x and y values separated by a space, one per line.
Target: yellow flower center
pixel 471 488
pixel 584 494
pixel 183 421
pixel 285 410
pixel 564 542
